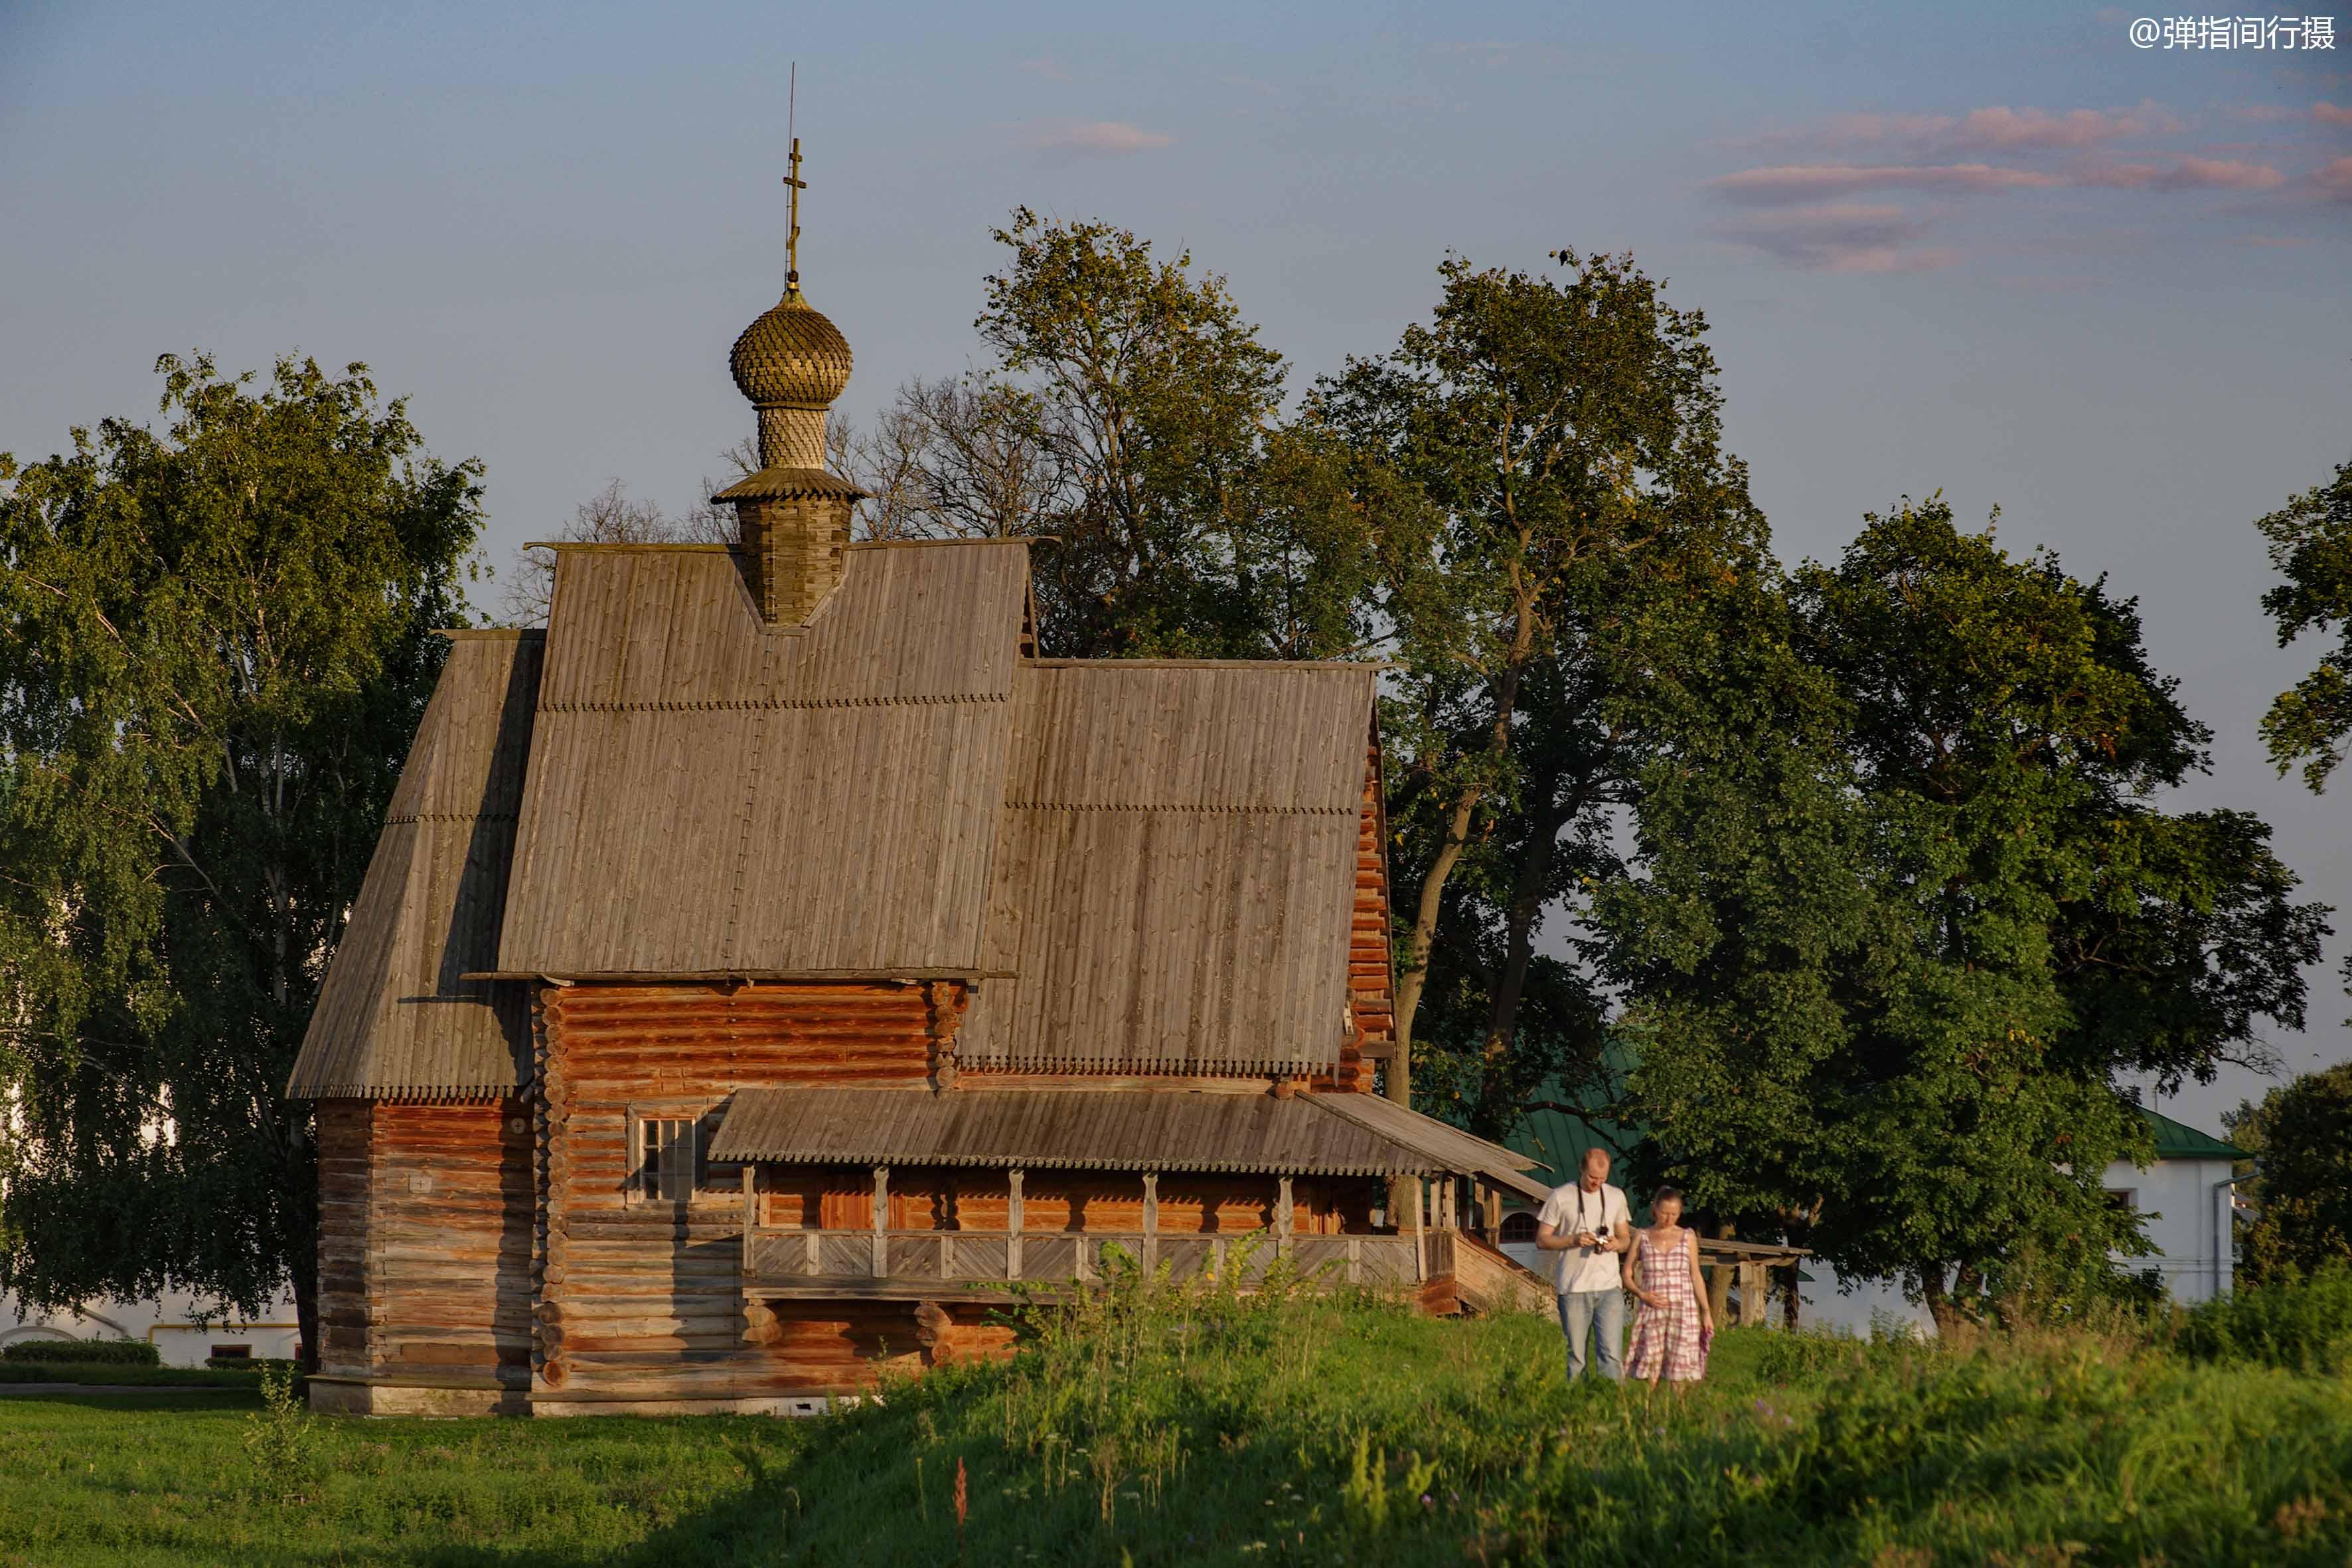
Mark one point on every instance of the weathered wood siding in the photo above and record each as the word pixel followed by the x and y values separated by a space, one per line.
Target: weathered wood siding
pixel 643 1298
pixel 425 1256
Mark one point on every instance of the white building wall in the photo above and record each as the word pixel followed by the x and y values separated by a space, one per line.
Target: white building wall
pixel 2184 1209
pixel 169 1321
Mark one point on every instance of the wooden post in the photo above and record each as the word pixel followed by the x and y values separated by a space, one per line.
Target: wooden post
pixel 751 1212
pixel 881 1222
pixel 1282 1221
pixel 1419 1231
pixel 1012 1227
pixel 1446 1209
pixel 1151 1220
pixel 1751 1294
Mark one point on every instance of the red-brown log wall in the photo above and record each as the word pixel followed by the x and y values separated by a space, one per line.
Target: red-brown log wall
pixel 643 1298
pixel 426 1241
pixel 1371 988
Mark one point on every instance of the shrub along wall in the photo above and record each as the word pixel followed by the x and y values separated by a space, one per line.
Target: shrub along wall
pixel 83 1353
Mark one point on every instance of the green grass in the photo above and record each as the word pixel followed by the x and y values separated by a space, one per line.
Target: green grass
pixel 1203 1429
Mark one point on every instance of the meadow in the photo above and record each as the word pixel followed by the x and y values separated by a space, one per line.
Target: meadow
pixel 1179 1428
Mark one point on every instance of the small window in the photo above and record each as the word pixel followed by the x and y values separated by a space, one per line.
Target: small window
pixel 232 1353
pixel 1518 1225
pixel 667 1149
pixel 2124 1200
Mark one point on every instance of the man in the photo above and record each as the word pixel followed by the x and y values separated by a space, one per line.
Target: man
pixel 1588 1223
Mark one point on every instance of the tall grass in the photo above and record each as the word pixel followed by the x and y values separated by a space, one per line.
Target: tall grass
pixel 1152 1423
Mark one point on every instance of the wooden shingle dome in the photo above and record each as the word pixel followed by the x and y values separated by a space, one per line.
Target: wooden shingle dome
pixel 792 357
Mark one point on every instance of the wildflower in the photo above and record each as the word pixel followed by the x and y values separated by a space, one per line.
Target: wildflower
pixel 1428 1501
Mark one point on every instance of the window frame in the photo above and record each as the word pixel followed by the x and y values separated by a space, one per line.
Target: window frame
pixel 642 1182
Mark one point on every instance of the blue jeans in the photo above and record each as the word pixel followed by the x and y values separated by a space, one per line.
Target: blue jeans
pixel 1583 1311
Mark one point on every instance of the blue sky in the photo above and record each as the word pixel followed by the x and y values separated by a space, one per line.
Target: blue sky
pixel 1994 250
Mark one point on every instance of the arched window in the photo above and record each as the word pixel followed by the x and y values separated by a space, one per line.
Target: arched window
pixel 1520 1225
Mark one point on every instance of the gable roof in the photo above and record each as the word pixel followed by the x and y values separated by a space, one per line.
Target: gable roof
pixel 394 1016
pixel 1147 867
pixel 2179 1141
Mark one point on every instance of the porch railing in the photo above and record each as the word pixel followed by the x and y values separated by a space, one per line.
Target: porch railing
pixel 870 1258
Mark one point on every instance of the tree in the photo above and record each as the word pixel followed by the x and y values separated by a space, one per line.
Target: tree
pixel 1896 962
pixel 215 646
pixel 1130 422
pixel 1563 440
pixel 610 517
pixel 2311 546
pixel 2301 1138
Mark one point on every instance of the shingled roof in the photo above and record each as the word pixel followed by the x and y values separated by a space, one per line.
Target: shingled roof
pixel 1147 865
pixel 395 1017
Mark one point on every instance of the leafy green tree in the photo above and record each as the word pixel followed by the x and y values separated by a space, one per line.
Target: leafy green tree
pixel 2311 546
pixel 1141 432
pixel 2301 1184
pixel 215 646
pixel 1564 440
pixel 1893 952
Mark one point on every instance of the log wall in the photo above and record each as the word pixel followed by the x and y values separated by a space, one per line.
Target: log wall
pixel 426 1242
pixel 641 1298
pixel 1372 987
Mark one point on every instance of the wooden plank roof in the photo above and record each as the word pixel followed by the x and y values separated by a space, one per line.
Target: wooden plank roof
pixel 394 1018
pixel 707 793
pixel 1084 1129
pixel 1151 864
pixel 1176 868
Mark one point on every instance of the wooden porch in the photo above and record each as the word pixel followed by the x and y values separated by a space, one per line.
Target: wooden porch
pixel 884 1263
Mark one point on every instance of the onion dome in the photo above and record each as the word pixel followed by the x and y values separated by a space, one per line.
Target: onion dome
pixel 791 357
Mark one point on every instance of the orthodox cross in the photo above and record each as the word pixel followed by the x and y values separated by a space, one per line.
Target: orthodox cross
pixel 793 181
pixel 792 232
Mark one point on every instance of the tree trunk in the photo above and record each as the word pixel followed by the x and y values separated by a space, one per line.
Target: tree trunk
pixel 1497 1099
pixel 1718 1278
pixel 1941 1308
pixel 1413 974
pixel 1793 1298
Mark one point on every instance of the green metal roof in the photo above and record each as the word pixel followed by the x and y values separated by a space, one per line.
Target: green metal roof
pixel 2178 1141
pixel 1562 1123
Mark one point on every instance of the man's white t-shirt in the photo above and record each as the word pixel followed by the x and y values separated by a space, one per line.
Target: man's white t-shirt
pixel 1571 1209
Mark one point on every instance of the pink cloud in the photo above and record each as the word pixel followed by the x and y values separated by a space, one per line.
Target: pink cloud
pixel 2005 129
pixel 1107 137
pixel 1809 181
pixel 2330 114
pixel 2334 179
pixel 1995 128
pixel 2185 174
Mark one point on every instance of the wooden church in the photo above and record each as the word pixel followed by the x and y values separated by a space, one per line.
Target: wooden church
pixel 780 955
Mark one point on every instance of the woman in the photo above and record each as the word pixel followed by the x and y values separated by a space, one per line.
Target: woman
pixel 1672 1330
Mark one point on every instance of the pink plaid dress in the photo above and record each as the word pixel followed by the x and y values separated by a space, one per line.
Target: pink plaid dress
pixel 1666 1340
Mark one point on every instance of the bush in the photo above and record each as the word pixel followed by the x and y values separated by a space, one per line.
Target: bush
pixel 2304 1325
pixel 83 1353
